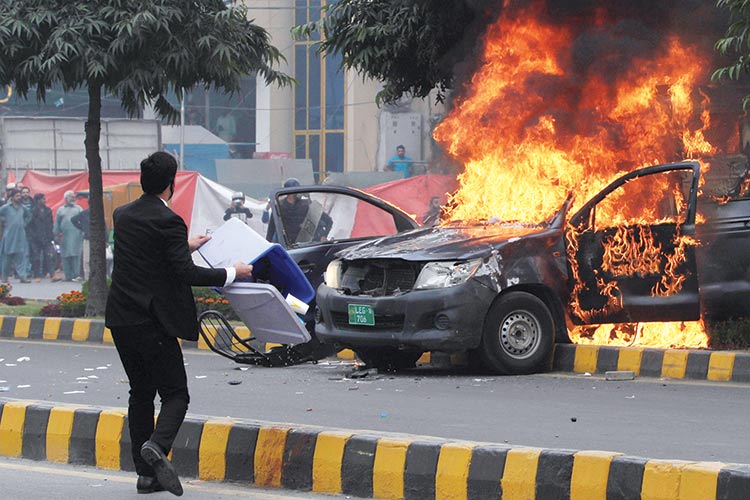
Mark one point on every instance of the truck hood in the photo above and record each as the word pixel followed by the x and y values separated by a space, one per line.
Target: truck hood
pixel 441 243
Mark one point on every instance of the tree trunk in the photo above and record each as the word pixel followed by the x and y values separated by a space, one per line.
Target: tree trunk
pixel 97 274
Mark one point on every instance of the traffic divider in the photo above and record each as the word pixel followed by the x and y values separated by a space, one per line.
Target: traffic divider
pixel 367 465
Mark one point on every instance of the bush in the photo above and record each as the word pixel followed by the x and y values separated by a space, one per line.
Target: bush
pixel 51 310
pixel 206 299
pixel 72 304
pixel 727 335
pixel 5 289
pixel 12 301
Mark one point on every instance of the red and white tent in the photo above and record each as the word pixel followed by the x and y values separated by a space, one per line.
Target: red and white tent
pixel 199 201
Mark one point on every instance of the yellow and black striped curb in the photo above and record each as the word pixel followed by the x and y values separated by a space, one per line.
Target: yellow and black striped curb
pixel 720 366
pixel 368 465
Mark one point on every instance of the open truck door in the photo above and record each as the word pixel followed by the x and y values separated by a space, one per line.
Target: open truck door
pixel 631 249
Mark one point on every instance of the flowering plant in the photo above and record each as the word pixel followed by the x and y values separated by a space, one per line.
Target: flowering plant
pixel 206 299
pixel 5 289
pixel 72 304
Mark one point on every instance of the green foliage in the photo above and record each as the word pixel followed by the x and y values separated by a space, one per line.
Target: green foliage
pixel 733 334
pixel 412 46
pixel 736 43
pixel 136 49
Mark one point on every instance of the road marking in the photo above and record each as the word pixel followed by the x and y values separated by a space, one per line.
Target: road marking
pixel 193 484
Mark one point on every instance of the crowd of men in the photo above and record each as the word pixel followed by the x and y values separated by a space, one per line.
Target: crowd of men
pixel 34 244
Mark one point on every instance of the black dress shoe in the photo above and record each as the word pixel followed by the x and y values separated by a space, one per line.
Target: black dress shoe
pixel 148 484
pixel 165 473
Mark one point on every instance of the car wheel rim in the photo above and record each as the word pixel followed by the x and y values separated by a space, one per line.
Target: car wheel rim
pixel 519 334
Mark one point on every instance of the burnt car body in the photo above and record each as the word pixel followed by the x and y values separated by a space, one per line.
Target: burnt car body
pixel 508 291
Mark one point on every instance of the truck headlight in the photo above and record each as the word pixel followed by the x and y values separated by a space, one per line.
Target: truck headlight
pixel 333 274
pixel 445 274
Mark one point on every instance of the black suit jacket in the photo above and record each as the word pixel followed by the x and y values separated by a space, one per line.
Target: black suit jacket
pixel 153 270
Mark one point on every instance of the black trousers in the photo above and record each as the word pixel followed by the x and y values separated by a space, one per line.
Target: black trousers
pixel 154 364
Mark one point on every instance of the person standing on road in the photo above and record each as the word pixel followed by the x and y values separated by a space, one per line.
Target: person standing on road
pixel 70 237
pixel 150 305
pixel 40 236
pixel 83 222
pixel 15 246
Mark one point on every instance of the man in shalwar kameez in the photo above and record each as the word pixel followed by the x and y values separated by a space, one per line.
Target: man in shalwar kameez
pixel 71 238
pixel 15 246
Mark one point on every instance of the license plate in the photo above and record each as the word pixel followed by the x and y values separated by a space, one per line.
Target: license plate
pixel 361 315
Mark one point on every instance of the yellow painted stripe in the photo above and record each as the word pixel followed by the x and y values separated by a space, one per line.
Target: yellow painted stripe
pixel 519 475
pixel 699 481
pixel 107 336
pixel 51 328
pixel 585 359
pixel 22 327
pixel 452 474
pixel 590 475
pixel 629 358
pixel 661 480
pixel 1 321
pixel 242 332
pixel 346 354
pixel 424 359
pixel 674 364
pixel 108 435
pixel 81 329
pixel 212 452
pixel 269 455
pixel 211 331
pixel 388 469
pixel 11 429
pixel 721 366
pixel 59 430
pixel 327 459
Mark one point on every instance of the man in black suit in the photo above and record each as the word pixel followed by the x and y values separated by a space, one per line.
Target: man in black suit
pixel 150 305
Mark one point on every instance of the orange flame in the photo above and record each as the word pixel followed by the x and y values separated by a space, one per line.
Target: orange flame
pixel 528 135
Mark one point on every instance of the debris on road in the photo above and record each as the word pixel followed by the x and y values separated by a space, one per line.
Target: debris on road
pixel 619 375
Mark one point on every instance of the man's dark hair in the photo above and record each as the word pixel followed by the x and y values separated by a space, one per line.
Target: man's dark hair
pixel 12 192
pixel 38 196
pixel 401 146
pixel 157 172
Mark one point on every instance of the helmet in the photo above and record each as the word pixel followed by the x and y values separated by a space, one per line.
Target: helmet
pixel 291 182
pixel 239 195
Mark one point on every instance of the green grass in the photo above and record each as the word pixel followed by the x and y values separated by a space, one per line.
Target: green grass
pixel 31 308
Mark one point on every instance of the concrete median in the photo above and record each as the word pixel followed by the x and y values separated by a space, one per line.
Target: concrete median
pixel 362 464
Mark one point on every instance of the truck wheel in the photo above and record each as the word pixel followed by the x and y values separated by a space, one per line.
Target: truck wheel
pixel 388 358
pixel 518 335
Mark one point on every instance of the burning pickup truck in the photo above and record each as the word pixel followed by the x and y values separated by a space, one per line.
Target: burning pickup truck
pixel 638 251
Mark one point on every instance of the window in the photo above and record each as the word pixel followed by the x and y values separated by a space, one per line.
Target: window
pixel 319 99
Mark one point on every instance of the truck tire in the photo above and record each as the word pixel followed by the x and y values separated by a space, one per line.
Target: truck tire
pixel 518 336
pixel 388 358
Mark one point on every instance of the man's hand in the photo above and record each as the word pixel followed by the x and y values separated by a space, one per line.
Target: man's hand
pixel 196 242
pixel 244 271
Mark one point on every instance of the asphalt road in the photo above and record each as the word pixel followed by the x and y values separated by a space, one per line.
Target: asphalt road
pixel 25 479
pixel 646 417
pixel 44 289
